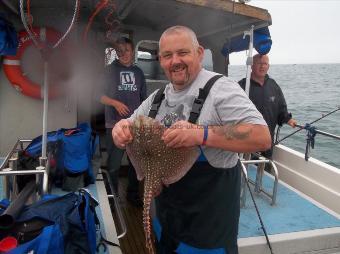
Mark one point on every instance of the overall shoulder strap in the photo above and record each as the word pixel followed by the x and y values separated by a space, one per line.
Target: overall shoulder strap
pixel 199 101
pixel 157 101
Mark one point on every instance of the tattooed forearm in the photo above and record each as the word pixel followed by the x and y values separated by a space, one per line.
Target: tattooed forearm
pixel 233 131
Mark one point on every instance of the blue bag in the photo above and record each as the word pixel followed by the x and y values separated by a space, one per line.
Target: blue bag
pixel 8 38
pixel 50 241
pixel 71 150
pixel 77 148
pixel 34 148
pixel 73 225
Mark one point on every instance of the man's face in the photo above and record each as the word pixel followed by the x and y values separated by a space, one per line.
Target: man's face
pixel 180 60
pixel 260 66
pixel 125 54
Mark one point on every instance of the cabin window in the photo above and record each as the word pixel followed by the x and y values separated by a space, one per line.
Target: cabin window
pixel 207 62
pixel 147 60
pixel 144 55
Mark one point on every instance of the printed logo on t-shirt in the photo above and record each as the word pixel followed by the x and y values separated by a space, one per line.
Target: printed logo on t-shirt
pixel 127 81
pixel 176 110
pixel 272 98
pixel 172 117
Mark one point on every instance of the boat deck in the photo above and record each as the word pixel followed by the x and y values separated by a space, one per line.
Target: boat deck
pixel 293 212
pixel 134 241
pixel 294 217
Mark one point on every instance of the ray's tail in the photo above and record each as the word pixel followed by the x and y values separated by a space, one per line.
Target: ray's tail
pixel 148 192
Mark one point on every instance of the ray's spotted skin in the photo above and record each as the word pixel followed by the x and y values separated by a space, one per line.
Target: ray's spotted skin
pixel 158 164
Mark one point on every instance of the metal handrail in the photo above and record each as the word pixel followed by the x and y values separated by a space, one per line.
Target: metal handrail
pixel 259 175
pixel 14 149
pixel 118 210
pixel 8 169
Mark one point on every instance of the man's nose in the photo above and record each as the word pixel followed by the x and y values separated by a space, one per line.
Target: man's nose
pixel 176 58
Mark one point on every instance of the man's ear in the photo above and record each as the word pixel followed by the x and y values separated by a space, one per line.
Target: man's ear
pixel 200 52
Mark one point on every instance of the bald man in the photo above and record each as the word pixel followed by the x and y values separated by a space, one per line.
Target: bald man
pixel 201 210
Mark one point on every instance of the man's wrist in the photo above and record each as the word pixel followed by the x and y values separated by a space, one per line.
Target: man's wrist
pixel 113 103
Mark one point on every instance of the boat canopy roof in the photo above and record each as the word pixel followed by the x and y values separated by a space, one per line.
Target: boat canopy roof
pixel 217 23
pixel 212 20
pixel 262 42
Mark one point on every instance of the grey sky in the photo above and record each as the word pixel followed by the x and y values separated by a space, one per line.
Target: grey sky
pixel 303 31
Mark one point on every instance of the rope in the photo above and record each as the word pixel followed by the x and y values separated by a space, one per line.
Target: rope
pixel 29 13
pixel 23 19
pixel 112 23
pixel 109 19
pixel 99 7
pixel 30 33
pixel 76 10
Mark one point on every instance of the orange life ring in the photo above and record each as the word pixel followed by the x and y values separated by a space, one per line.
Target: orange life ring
pixel 12 65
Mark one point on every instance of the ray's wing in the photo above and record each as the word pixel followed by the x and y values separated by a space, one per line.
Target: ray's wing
pixel 147 147
pixel 146 136
pixel 178 163
pixel 137 159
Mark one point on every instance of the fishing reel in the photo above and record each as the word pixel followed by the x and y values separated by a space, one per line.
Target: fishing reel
pixel 311 132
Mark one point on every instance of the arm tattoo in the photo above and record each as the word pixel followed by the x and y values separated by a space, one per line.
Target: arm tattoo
pixel 233 131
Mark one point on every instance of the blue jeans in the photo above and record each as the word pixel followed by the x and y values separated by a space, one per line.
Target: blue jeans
pixel 114 161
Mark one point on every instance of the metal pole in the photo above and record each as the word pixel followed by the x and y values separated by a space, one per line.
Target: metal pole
pixel 328 134
pixel 45 113
pixel 249 63
pixel 322 132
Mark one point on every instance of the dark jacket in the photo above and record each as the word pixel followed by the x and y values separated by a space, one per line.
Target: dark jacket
pixel 269 100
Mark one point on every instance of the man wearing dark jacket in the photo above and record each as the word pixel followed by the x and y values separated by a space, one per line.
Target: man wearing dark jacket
pixel 267 96
pixel 124 91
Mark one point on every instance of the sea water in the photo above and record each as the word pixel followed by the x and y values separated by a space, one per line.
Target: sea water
pixel 311 91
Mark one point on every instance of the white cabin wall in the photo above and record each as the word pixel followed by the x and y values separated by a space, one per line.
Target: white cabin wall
pixel 21 116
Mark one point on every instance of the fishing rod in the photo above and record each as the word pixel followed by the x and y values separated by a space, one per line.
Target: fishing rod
pixel 258 215
pixel 311 133
pixel 323 116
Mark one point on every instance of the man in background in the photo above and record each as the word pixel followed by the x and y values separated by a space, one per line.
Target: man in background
pixel 124 91
pixel 268 98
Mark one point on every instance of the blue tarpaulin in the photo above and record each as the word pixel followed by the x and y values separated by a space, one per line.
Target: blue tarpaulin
pixel 8 38
pixel 262 43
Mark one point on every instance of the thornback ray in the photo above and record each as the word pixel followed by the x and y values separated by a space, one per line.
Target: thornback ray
pixel 158 164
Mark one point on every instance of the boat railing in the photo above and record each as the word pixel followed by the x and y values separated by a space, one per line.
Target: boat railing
pixel 9 169
pixel 258 187
pixel 117 208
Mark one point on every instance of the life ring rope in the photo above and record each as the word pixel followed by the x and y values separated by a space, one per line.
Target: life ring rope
pixel 31 33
